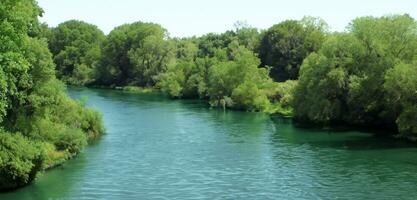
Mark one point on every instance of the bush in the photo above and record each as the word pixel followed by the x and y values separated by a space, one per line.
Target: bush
pixel 248 96
pixel 71 140
pixel 20 160
pixel 33 102
pixel 92 123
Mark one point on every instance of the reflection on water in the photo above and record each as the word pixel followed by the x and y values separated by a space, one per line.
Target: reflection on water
pixel 157 148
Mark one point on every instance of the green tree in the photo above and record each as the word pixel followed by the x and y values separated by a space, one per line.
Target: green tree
pixel 321 95
pixel 247 36
pixel 388 41
pixel 226 76
pixel 20 160
pixel 366 76
pixel 149 60
pixel 133 54
pixel 238 83
pixel 40 125
pixel 401 89
pixel 284 46
pixel 76 49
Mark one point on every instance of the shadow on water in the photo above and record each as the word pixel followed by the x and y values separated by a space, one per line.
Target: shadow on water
pixel 44 187
pixel 239 124
pixel 117 95
pixel 341 137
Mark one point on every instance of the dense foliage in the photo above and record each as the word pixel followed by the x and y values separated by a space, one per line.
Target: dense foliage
pixel 40 125
pixel 284 46
pixel 220 69
pixel 20 159
pixel 133 54
pixel 366 76
pixel 75 46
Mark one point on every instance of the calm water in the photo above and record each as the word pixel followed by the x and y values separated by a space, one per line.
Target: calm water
pixel 156 148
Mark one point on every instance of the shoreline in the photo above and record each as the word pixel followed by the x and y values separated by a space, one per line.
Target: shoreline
pixel 375 129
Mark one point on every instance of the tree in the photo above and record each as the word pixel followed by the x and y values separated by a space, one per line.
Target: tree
pixel 39 124
pixel 133 54
pixel 366 76
pixel 247 36
pixel 401 88
pixel 388 41
pixel 76 49
pixel 238 83
pixel 284 46
pixel 324 80
pixel 149 60
pixel 226 76
pixel 187 76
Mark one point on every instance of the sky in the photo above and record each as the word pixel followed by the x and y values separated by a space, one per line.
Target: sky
pixel 184 18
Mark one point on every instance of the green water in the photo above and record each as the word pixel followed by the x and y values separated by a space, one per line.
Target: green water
pixel 156 148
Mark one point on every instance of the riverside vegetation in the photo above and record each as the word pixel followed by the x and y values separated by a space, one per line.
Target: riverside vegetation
pixel 40 126
pixel 366 75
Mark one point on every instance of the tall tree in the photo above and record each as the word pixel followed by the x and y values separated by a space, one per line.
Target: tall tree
pixel 284 46
pixel 76 49
pixel 366 76
pixel 133 54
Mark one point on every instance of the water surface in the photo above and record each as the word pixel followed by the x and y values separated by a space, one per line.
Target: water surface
pixel 156 148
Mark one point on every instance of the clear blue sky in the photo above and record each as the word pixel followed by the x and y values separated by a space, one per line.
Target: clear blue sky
pixel 197 17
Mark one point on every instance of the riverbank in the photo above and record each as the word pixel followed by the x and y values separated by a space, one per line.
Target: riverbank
pixel 132 89
pixel 275 109
pixel 181 149
pixel 58 134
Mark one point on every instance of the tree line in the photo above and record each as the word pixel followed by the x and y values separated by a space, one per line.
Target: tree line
pixel 243 69
pixel 40 126
pixel 365 75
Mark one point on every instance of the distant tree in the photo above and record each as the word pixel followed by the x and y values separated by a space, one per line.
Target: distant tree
pixel 388 41
pixel 366 76
pixel 187 76
pixel 323 88
pixel 209 44
pixel 247 36
pixel 239 83
pixel 284 46
pixel 133 54
pixel 228 77
pixel 76 49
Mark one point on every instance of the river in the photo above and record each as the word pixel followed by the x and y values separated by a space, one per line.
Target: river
pixel 157 148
